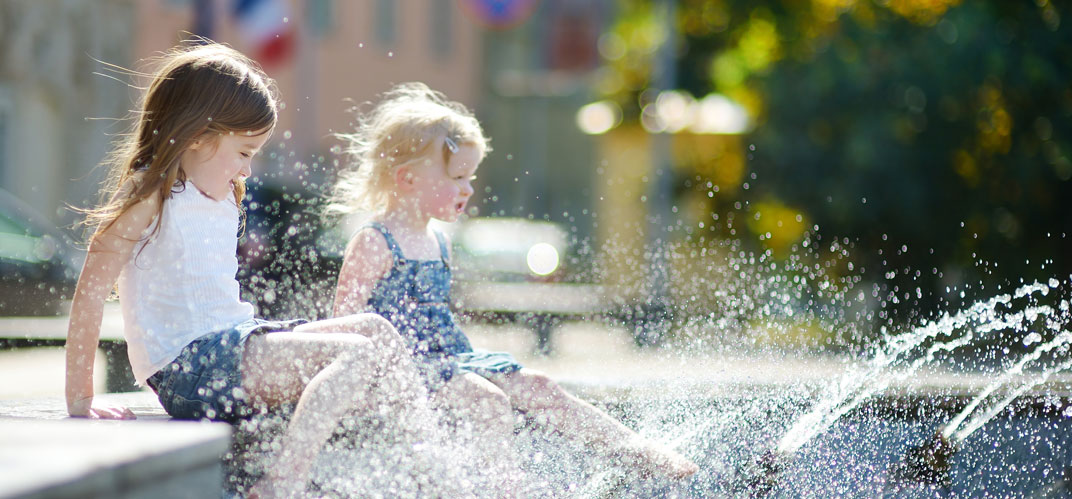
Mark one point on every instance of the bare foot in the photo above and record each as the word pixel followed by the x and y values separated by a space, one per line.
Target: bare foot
pixel 654 459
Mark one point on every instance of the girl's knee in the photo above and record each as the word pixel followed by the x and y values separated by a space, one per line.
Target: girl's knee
pixel 495 407
pixel 366 324
pixel 355 354
pixel 381 332
pixel 375 324
pixel 540 385
pixel 480 400
pixel 495 400
pixel 534 390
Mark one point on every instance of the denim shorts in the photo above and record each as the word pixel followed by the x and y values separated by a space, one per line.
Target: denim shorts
pixel 205 380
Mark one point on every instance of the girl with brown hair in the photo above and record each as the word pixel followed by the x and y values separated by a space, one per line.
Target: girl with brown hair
pixel 166 231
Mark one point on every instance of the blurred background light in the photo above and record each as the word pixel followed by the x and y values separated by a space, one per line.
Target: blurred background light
pixel 598 117
pixel 675 109
pixel 542 258
pixel 718 114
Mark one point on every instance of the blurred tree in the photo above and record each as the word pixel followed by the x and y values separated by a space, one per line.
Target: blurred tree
pixel 933 135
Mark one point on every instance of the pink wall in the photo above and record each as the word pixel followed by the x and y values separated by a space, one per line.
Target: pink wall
pixel 346 63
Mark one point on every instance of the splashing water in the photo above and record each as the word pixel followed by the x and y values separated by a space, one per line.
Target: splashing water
pixel 1007 382
pixel 893 362
pixel 731 291
pixel 930 462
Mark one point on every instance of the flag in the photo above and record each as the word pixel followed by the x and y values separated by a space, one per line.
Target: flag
pixel 499 14
pixel 265 26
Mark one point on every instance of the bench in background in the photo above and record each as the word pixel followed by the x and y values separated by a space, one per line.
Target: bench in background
pixel 24 332
pixel 540 306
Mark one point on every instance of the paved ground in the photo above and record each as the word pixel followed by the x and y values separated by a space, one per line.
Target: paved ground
pixel 585 354
pixel 581 352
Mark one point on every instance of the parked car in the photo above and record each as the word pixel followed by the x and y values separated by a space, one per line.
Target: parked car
pixel 290 260
pixel 39 265
pixel 509 250
pixel 500 249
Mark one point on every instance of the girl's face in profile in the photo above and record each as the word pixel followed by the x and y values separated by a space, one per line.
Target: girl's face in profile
pixel 214 163
pixel 443 189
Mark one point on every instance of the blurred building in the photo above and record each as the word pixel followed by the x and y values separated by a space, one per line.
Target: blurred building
pixel 524 66
pixel 334 53
pixel 329 56
pixel 536 75
pixel 50 95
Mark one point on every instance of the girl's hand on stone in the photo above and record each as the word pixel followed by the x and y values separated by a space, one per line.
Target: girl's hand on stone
pixel 107 412
pixel 111 413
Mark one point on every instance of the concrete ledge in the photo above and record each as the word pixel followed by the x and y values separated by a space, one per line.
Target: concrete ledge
pixel 143 403
pixel 43 453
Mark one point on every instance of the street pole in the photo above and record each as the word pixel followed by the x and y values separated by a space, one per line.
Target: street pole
pixel 656 311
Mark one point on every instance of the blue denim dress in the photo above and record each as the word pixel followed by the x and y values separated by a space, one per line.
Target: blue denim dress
pixel 205 380
pixel 415 298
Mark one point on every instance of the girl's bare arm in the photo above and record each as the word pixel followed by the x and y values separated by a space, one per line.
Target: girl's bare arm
pixel 367 260
pixel 107 254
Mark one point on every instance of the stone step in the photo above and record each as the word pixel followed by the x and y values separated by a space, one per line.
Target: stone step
pixel 45 454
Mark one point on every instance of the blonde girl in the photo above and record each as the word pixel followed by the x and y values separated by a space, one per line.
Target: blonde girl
pixel 414 159
pixel 166 230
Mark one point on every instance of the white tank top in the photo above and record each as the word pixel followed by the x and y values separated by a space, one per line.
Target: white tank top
pixel 179 284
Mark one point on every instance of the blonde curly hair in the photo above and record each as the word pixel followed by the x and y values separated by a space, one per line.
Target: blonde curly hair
pixel 409 121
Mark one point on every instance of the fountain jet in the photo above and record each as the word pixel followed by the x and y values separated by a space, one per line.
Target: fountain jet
pixel 759 476
pixel 927 463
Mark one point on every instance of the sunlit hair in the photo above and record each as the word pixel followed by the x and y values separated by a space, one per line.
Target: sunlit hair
pixel 410 122
pixel 199 90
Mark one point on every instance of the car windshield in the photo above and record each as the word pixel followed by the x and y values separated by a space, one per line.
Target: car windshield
pixel 17 244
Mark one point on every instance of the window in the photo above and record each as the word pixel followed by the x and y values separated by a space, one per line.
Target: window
pixel 5 132
pixel 441 22
pixel 385 20
pixel 318 15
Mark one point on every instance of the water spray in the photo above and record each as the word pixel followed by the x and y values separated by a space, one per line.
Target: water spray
pixel 928 463
pixel 862 383
pixel 759 476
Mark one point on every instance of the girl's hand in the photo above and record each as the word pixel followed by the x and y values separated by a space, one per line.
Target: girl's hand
pixel 108 252
pixel 84 409
pixel 111 413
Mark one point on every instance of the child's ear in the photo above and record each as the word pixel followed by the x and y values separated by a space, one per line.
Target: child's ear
pixel 199 142
pixel 207 139
pixel 404 177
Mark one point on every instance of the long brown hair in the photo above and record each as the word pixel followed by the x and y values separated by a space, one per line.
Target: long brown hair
pixel 198 88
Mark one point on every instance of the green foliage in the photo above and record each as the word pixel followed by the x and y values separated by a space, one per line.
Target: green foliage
pixel 933 135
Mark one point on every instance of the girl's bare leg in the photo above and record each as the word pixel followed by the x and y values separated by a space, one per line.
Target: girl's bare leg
pixel 329 375
pixel 485 421
pixel 536 394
